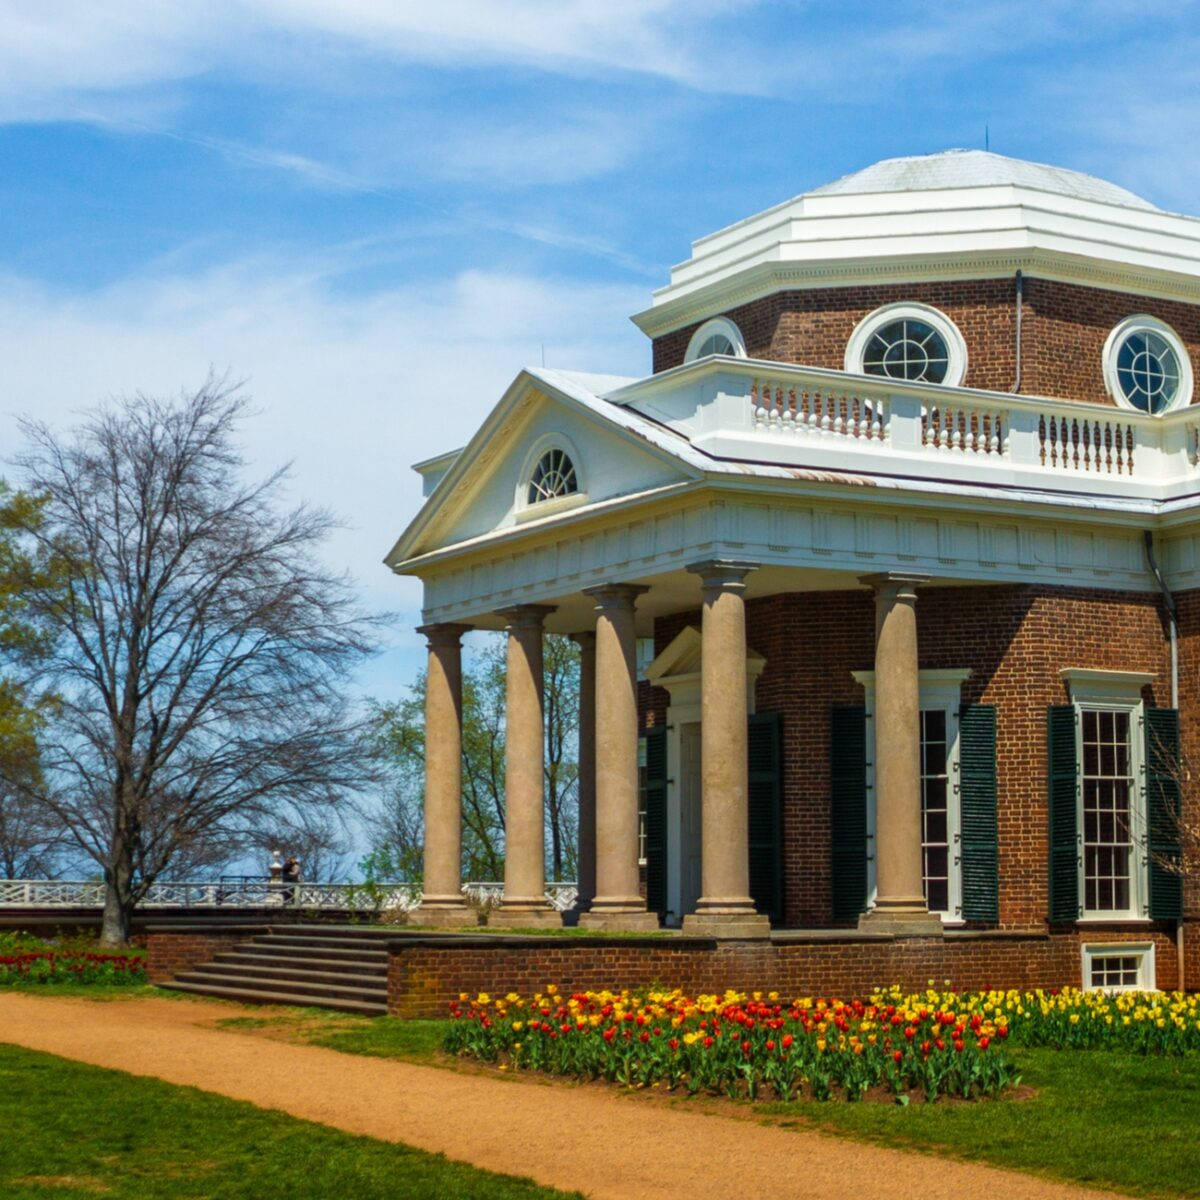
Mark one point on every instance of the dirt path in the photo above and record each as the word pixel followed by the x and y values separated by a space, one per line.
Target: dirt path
pixel 608 1145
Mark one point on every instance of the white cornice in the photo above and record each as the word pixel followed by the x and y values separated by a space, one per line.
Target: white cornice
pixel 764 279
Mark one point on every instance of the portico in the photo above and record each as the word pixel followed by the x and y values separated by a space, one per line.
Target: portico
pixel 710 673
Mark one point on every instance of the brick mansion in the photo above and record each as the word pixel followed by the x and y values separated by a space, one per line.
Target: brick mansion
pixel 886 581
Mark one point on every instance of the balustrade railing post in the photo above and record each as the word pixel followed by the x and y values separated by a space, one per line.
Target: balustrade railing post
pixel 725 403
pixel 904 424
pixel 1024 438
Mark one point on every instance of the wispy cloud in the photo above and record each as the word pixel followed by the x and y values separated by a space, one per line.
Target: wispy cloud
pixel 352 389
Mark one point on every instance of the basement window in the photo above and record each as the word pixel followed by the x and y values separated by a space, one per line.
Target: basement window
pixel 1118 967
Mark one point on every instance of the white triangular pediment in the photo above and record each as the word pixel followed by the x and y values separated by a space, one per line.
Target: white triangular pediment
pixel 681 659
pixel 485 489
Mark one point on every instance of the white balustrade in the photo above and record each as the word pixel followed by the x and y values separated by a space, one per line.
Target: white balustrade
pixel 353 897
pixel 965 429
pixel 807 417
pixel 1086 443
pixel 804 412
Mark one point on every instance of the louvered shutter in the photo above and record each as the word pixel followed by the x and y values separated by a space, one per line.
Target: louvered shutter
pixel 656 819
pixel 766 786
pixel 977 812
pixel 1162 804
pixel 848 809
pixel 1062 775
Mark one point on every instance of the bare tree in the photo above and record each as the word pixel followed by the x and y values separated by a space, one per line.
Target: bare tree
pixel 32 845
pixel 201 650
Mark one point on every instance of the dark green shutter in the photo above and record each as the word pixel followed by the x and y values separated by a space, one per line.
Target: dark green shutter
pixel 1062 775
pixel 766 787
pixel 848 809
pixel 977 808
pixel 656 819
pixel 1162 804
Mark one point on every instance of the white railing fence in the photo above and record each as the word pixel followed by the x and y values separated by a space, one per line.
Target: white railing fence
pixel 354 897
pixel 874 420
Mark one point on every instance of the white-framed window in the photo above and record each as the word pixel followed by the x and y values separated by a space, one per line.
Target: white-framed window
pixel 940 699
pixel 1118 966
pixel 718 336
pixel 550 479
pixel 1110 793
pixel 1147 366
pixel 908 341
pixel 553 476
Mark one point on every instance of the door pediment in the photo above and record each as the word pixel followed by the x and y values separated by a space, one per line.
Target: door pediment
pixel 677 669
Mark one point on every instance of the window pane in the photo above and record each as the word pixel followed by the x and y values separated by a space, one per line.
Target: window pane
pixel 907 349
pixel 1106 790
pixel 934 813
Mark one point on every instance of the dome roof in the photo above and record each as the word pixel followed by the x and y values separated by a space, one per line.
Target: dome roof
pixel 977 168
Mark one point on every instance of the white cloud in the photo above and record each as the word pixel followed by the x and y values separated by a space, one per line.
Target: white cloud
pixel 352 389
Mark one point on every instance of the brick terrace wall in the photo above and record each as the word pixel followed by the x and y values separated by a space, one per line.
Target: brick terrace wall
pixel 1064 327
pixel 1015 638
pixel 424 976
pixel 170 951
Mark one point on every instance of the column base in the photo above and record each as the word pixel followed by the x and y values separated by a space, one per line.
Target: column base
pixel 445 916
pixel 619 920
pixel 731 919
pixel 902 922
pixel 524 915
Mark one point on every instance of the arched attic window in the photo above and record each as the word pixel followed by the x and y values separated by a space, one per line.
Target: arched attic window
pixel 718 336
pixel 553 476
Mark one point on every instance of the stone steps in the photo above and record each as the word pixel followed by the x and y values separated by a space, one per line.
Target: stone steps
pixel 334 967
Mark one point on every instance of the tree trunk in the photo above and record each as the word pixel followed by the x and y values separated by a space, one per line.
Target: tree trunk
pixel 118 898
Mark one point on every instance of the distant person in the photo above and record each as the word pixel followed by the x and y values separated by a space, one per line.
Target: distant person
pixel 291 880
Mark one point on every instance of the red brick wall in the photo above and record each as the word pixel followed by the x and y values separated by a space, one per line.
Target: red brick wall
pixel 1064 327
pixel 1015 638
pixel 1189 727
pixel 169 953
pixel 424 976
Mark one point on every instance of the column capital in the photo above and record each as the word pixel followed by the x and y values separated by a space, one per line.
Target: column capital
pixel 903 584
pixel 443 634
pixel 526 616
pixel 585 639
pixel 723 574
pixel 615 595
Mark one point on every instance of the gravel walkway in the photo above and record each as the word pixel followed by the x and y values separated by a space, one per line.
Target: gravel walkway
pixel 609 1145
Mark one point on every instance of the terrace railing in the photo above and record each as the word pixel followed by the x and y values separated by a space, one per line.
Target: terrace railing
pixel 354 897
pixel 795 415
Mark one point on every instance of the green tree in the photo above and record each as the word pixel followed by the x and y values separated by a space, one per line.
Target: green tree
pixel 30 835
pixel 398 826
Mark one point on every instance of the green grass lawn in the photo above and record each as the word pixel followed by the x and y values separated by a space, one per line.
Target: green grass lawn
pixel 1115 1120
pixel 74 1130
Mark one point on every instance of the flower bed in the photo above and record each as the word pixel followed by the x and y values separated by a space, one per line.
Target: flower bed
pixel 27 961
pixel 739 1046
pixel 1070 1019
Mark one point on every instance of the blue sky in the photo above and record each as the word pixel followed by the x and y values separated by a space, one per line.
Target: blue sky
pixel 377 212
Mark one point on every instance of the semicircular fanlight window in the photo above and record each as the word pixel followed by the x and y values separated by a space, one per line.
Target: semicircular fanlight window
pixel 553 476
